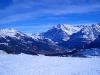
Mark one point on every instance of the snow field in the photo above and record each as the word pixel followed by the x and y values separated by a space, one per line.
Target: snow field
pixel 42 65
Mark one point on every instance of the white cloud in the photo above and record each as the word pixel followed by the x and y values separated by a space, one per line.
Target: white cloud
pixel 30 9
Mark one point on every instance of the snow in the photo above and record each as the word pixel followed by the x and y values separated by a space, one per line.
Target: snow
pixel 4 44
pixel 64 32
pixel 2 52
pixel 7 32
pixel 68 28
pixel 90 52
pixel 61 32
pixel 42 65
pixel 11 33
pixel 35 36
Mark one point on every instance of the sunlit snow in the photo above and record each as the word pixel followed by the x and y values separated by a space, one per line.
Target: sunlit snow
pixel 42 65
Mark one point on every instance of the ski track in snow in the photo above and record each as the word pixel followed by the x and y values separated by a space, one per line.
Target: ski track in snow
pixel 42 65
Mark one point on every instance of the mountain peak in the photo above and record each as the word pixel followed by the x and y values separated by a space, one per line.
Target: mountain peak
pixel 8 30
pixel 62 26
pixel 61 32
pixel 10 33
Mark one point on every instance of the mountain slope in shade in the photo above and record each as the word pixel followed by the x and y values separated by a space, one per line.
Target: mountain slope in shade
pixel 95 43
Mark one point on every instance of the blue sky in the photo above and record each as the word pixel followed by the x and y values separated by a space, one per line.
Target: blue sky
pixel 32 16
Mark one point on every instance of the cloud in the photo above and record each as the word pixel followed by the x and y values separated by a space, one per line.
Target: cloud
pixel 16 17
pixel 29 9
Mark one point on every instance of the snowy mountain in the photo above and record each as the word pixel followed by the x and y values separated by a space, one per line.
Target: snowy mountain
pixel 13 41
pixel 61 32
pixel 59 39
pixel 83 37
pixel 72 37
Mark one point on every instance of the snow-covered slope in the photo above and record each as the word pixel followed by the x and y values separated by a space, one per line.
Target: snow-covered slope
pixel 91 32
pixel 41 65
pixel 68 28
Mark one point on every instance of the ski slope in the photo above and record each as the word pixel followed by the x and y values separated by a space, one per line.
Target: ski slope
pixel 23 64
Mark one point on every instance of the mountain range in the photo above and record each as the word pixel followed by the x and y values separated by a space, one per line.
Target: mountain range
pixel 59 39
pixel 74 37
pixel 13 41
